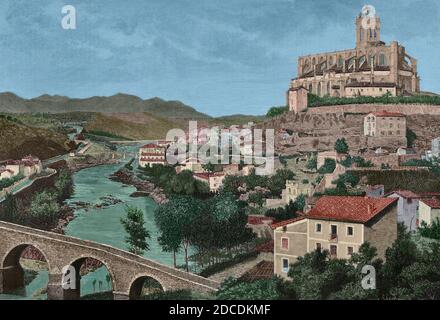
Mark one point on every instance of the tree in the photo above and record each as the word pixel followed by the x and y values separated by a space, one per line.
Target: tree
pixel 341 146
pixel 182 212
pixel 44 207
pixel 209 167
pixel 312 163
pixel 328 167
pixel 64 184
pixel 134 225
pixel 10 209
pixel 276 111
pixel 411 137
pixel 234 289
pixel 185 184
pixel 170 238
pixel 277 182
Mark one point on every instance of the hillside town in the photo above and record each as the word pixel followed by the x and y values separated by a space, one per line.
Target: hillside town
pixel 342 210
pixel 287 206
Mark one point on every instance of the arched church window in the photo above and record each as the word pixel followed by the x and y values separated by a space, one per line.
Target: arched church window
pixel 328 88
pixel 319 89
pixel 310 88
pixel 382 60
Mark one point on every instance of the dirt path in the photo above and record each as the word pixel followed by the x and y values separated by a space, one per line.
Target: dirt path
pixel 236 271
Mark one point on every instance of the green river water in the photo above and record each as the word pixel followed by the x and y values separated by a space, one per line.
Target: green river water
pixel 102 225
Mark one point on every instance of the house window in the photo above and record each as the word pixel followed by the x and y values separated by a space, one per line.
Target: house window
pixel 318 228
pixel 349 251
pixel 285 243
pixel 285 265
pixel 333 250
pixel 318 246
pixel 334 230
pixel 349 231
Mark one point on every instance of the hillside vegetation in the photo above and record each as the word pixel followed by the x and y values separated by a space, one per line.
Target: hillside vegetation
pixel 18 140
pixel 134 126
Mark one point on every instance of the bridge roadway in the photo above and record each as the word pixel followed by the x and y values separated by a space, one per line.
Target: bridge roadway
pixel 127 271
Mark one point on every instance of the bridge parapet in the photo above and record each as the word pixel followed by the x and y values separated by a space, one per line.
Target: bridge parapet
pixel 61 251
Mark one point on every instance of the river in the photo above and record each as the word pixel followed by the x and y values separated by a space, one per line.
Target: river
pixel 102 225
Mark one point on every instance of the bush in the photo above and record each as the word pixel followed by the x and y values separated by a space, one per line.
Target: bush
pixel 315 101
pixel 341 146
pixel 6 183
pixel 432 231
pixel 233 289
pixel 328 167
pixel 276 111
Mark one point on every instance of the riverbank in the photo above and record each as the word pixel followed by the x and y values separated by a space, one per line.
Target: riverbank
pixel 75 167
pixel 143 187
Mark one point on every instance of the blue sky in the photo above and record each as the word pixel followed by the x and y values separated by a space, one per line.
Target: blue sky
pixel 221 57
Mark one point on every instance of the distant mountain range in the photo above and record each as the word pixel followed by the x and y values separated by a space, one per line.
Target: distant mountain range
pixel 119 103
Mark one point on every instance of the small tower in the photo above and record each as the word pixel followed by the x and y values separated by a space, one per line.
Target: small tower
pixel 367 28
pixel 297 99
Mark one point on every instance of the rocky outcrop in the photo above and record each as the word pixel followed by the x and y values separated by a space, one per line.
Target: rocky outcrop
pixel 144 187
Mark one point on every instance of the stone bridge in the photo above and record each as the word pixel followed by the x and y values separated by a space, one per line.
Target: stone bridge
pixel 127 271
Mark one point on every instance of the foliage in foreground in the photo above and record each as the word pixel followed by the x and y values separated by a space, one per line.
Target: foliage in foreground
pixel 134 225
pixel 408 272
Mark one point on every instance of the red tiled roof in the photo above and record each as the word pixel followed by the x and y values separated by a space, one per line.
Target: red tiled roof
pixel 151 145
pixel 263 270
pixel 350 209
pixel 388 114
pixel 434 203
pixel 405 194
pixel 429 194
pixel 256 220
pixel 286 222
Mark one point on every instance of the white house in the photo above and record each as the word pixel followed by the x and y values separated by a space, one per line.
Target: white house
pixel 151 154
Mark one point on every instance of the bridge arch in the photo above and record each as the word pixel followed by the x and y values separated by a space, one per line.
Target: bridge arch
pixel 77 263
pixel 137 284
pixel 13 273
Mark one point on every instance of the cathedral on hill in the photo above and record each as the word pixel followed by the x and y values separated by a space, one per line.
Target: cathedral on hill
pixel 373 68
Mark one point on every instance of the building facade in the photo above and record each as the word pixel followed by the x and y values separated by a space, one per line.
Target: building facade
pixel 372 68
pixel 337 224
pixel 385 125
pixel 151 154
pixel 429 211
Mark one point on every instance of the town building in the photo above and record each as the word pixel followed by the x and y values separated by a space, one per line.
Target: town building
pixel 27 166
pixel 377 191
pixel 435 147
pixel 297 99
pixel 337 224
pixel 294 189
pixel 214 180
pixel 429 211
pixel 372 68
pixel 151 154
pixel 6 173
pixel 192 164
pixel 385 125
pixel 408 206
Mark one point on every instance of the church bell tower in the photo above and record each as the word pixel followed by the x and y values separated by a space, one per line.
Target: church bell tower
pixel 367 28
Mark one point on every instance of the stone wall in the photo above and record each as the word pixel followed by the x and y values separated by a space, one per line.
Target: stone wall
pixel 408 109
pixel 319 128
